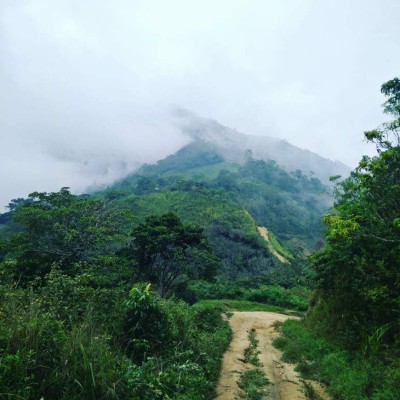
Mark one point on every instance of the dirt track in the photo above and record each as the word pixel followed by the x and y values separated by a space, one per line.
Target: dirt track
pixel 285 383
pixel 265 235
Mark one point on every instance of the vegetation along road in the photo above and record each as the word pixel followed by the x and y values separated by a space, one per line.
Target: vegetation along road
pixel 252 367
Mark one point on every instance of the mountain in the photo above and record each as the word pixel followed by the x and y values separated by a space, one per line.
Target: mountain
pixel 254 196
pixel 231 144
pixel 218 182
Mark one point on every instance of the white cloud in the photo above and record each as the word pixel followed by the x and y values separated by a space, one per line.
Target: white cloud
pixel 85 85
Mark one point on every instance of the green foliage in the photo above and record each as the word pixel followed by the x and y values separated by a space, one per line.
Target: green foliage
pixel 310 392
pixel 296 274
pixel 194 155
pixel 218 289
pixel 354 343
pixel 146 325
pixel 66 339
pixel 245 305
pixel 239 246
pixel 252 383
pixel 230 229
pixel 229 201
pixel 289 204
pixel 296 298
pixel 53 343
pixel 251 353
pixel 278 247
pixel 180 347
pixel 277 295
pixel 168 252
pixel 71 332
pixel 61 228
pixel 69 329
pixel 357 272
pixel 347 375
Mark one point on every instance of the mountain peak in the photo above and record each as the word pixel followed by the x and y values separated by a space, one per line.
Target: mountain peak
pixel 232 145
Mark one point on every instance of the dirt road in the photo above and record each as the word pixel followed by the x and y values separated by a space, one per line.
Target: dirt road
pixel 285 383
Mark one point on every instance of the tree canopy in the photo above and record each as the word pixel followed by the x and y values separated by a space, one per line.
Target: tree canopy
pixel 166 251
pixel 358 271
pixel 61 228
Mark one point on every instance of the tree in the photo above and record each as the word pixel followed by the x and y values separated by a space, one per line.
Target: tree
pixel 61 228
pixel 168 252
pixel 358 271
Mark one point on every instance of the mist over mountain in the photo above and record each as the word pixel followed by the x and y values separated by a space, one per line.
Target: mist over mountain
pixel 167 167
pixel 232 144
pixel 76 161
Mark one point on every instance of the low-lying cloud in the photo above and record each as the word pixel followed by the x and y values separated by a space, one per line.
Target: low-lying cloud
pixel 86 85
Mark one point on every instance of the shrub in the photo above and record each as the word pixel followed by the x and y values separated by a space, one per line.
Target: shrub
pixel 279 296
pixel 347 375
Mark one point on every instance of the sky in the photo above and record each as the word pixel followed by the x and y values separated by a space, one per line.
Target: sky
pixel 86 87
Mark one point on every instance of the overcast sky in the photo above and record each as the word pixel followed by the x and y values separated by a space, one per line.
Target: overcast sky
pixel 85 86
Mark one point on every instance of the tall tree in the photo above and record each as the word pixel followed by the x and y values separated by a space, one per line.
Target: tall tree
pixel 168 251
pixel 358 271
pixel 61 228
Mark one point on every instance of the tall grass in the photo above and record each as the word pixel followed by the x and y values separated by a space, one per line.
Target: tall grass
pixel 64 339
pixel 295 298
pixel 245 305
pixel 347 376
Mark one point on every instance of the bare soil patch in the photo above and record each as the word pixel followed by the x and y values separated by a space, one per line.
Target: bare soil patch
pixel 264 233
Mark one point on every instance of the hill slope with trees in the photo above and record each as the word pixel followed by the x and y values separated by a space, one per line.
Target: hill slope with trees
pixel 350 339
pixel 99 293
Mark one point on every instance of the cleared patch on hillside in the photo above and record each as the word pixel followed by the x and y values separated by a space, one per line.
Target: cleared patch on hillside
pixel 265 234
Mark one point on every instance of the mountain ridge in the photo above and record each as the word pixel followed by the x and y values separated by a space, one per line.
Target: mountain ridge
pixel 232 144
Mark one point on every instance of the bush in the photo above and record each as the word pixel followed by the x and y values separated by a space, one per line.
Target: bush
pixel 276 295
pixel 44 354
pixel 62 340
pixel 347 375
pixel 178 348
pixel 216 290
pixel 296 298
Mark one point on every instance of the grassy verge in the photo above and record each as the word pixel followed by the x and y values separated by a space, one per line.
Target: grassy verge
pixel 310 392
pixel 245 305
pixel 347 376
pixel 294 298
pixel 68 340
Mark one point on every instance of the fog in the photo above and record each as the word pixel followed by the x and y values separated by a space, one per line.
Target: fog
pixel 86 87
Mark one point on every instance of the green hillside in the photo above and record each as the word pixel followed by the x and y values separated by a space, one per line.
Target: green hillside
pixel 108 287
pixel 202 188
pixel 230 228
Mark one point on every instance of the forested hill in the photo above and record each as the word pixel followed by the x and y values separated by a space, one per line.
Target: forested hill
pixel 118 294
pixel 230 184
pixel 231 143
pixel 102 283
pixel 229 200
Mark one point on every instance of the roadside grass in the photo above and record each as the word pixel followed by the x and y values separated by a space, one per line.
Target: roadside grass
pixel 68 340
pixel 310 392
pixel 346 375
pixel 293 298
pixel 245 305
